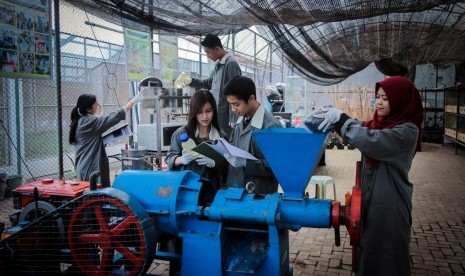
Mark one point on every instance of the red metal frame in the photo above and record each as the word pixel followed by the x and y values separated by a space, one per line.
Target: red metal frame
pixel 107 239
pixel 51 187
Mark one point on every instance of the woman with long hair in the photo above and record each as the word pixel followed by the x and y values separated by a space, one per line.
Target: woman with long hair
pixel 85 133
pixel 202 125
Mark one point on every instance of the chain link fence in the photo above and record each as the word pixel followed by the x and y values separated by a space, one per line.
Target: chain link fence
pixel 29 136
pixel 92 61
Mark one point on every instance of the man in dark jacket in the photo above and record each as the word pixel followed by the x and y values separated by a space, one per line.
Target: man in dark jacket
pixel 241 95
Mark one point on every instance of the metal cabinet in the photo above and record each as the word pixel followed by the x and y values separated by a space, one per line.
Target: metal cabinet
pixel 433 124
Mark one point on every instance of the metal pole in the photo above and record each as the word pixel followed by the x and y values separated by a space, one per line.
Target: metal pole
pixel 200 57
pixel 18 127
pixel 255 70
pixel 158 119
pixel 271 62
pixel 56 4
pixel 134 109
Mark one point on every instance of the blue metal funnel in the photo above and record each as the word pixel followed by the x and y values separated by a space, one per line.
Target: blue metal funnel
pixel 292 154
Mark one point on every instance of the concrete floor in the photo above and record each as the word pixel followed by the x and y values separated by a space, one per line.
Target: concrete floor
pixel 438 231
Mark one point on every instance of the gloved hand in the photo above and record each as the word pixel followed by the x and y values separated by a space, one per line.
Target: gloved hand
pixel 235 161
pixel 330 116
pixel 187 157
pixel 311 123
pixel 136 98
pixel 182 80
pixel 203 160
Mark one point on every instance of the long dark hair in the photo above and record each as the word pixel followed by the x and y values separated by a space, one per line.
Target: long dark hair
pixel 84 102
pixel 198 100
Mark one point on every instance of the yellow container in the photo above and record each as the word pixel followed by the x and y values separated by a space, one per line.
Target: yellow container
pixel 461 137
pixel 462 109
pixel 450 132
pixel 451 108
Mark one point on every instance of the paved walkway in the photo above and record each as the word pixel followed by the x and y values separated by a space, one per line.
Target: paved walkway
pixel 438 231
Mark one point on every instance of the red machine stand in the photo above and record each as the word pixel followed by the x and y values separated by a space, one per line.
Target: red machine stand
pixel 49 190
pixel 52 193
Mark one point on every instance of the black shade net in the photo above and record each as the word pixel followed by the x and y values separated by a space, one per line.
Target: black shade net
pixel 325 40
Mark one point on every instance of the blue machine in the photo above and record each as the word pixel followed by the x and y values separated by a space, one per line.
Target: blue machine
pixel 231 232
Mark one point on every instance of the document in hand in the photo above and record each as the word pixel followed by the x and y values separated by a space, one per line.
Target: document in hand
pixel 218 148
pixel 118 133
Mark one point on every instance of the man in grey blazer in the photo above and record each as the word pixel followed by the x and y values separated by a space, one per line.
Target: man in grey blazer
pixel 226 68
pixel 241 94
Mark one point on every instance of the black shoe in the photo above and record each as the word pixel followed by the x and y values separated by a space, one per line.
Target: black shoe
pixel 338 143
pixel 330 145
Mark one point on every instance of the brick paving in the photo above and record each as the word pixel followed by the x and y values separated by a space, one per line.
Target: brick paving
pixel 438 231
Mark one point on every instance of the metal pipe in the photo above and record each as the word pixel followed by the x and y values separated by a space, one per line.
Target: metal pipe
pixel 18 128
pixel 92 24
pixel 271 210
pixel 56 5
pixel 93 180
pixel 158 119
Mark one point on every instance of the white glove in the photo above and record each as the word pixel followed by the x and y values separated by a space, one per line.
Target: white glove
pixel 331 116
pixel 182 80
pixel 136 98
pixel 311 123
pixel 235 161
pixel 187 157
pixel 203 160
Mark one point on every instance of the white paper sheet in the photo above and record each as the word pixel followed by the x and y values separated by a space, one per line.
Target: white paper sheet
pixel 117 134
pixel 222 146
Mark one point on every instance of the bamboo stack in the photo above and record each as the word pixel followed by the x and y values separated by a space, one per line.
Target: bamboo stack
pixel 354 101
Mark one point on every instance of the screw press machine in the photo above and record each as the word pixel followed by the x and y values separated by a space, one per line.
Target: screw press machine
pixel 119 230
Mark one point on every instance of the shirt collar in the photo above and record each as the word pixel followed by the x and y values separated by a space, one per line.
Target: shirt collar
pixel 257 118
pixel 213 135
pixel 224 58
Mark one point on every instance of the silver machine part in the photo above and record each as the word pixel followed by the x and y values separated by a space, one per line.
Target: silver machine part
pixel 135 159
pixel 156 97
pixel 250 187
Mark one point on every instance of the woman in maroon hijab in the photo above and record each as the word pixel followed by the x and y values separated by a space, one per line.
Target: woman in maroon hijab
pixel 388 143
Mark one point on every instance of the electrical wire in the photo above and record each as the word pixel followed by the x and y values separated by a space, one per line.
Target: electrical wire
pixel 16 149
pixel 106 63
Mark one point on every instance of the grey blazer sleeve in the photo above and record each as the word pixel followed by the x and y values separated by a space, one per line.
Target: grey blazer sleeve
pixel 386 145
pixel 206 83
pixel 103 123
